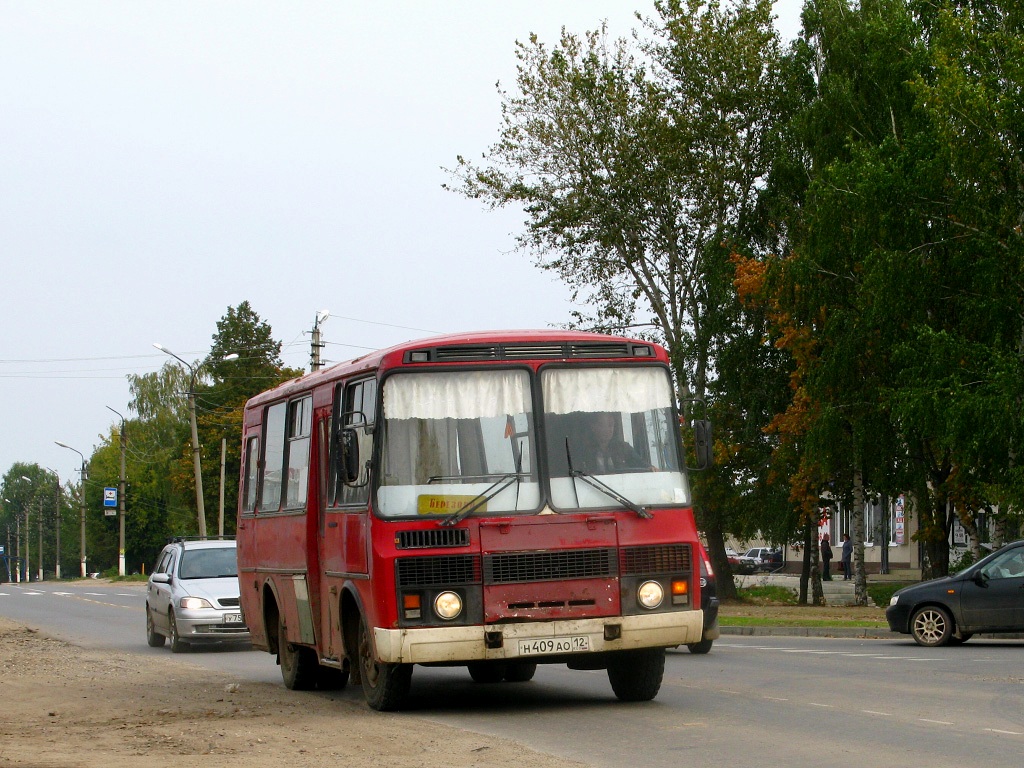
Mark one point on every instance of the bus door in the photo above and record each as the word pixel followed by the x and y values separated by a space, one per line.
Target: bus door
pixel 344 529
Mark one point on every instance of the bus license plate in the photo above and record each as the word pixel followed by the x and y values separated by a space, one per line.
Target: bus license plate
pixel 544 646
pixel 232 618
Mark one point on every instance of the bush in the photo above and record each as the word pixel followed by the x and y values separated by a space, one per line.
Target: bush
pixel 880 592
pixel 767 595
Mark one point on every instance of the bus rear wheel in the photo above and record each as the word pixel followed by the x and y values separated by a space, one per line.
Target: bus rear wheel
pixel 636 675
pixel 385 686
pixel 299 666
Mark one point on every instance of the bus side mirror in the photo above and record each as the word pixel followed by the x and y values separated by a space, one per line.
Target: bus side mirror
pixel 702 443
pixel 349 456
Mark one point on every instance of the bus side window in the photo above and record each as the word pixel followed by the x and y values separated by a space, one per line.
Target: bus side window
pixel 252 469
pixel 273 461
pixel 356 415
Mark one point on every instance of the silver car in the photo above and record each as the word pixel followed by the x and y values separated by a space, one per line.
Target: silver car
pixel 192 595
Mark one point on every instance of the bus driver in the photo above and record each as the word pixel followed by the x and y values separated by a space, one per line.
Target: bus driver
pixel 604 451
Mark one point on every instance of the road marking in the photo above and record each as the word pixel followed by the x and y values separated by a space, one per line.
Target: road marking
pixel 774 698
pixel 1005 733
pixel 936 722
pixel 825 706
pixel 872 712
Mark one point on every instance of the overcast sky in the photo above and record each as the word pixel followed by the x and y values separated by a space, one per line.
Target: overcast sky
pixel 160 162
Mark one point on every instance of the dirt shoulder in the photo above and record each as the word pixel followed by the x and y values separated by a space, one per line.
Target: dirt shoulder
pixel 67 707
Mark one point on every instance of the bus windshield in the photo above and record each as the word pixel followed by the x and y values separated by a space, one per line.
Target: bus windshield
pixel 613 426
pixel 451 438
pixel 465 442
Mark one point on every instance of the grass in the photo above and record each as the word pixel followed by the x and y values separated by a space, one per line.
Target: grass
pixel 774 606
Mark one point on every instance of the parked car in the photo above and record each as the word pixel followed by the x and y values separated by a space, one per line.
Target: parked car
pixel 760 559
pixel 192 595
pixel 708 604
pixel 772 560
pixel 985 597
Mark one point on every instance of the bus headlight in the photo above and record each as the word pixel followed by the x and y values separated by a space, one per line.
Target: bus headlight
pixel 448 605
pixel 650 594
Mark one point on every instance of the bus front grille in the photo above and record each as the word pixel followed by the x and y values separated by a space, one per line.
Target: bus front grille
pixel 519 567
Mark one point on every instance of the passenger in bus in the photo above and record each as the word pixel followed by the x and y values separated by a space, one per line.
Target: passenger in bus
pixel 604 450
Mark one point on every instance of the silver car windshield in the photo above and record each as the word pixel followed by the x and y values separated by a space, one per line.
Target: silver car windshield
pixel 208 563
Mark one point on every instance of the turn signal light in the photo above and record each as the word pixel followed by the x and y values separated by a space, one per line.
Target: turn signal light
pixel 680 592
pixel 411 606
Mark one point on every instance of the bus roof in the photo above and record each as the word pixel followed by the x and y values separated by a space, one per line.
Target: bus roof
pixel 475 346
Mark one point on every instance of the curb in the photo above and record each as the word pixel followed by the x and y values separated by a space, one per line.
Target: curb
pixel 867 633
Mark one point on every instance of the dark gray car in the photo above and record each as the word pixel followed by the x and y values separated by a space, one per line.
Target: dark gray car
pixel 985 597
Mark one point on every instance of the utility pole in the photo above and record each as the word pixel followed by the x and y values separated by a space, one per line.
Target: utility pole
pixel 39 512
pixel 196 464
pixel 58 498
pixel 28 538
pixel 28 548
pixel 223 463
pixel 121 482
pixel 317 344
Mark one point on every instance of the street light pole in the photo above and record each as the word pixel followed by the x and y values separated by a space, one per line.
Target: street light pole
pixel 120 498
pixel 82 499
pixel 196 465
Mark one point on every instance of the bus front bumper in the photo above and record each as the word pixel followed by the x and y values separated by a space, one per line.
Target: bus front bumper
pixel 537 639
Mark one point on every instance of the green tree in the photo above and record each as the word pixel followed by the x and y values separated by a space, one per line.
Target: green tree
pixel 636 166
pixel 221 400
pixel 974 95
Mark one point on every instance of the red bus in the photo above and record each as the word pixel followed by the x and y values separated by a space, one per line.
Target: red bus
pixel 488 500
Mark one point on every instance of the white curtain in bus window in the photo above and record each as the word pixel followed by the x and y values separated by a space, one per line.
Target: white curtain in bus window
pixel 615 423
pixel 450 436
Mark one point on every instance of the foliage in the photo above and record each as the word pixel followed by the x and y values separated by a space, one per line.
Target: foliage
pixel 221 400
pixel 636 167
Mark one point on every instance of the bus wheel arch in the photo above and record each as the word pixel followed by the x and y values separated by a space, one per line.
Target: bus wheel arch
pixel 271 617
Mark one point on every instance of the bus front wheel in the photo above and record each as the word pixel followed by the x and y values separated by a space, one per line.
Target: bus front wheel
pixel 636 675
pixel 385 686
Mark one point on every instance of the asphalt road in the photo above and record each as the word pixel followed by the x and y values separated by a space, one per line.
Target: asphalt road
pixel 752 701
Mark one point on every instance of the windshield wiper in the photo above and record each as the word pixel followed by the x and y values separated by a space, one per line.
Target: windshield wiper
pixel 607 490
pixel 504 481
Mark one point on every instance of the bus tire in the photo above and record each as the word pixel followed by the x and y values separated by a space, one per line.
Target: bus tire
pixel 331 678
pixel 299 667
pixel 487 671
pixel 385 686
pixel 637 675
pixel 520 671
pixel 702 647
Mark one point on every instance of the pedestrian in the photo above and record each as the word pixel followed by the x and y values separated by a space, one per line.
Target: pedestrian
pixel 847 557
pixel 826 558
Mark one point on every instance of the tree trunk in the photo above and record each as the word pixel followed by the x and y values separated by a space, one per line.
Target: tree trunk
pixel 859 574
pixel 725 583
